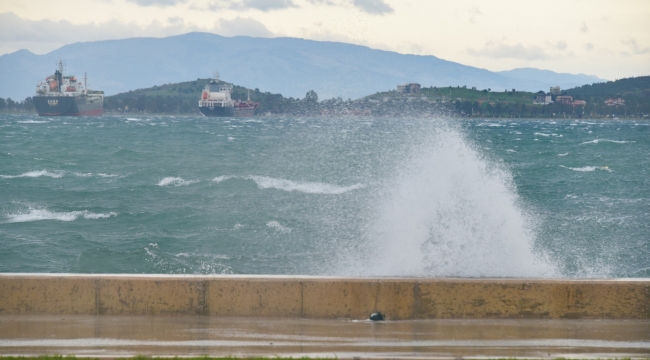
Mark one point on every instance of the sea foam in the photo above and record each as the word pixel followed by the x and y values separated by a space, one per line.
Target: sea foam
pixel 34 174
pixel 43 214
pixel 264 182
pixel 278 227
pixel 605 140
pixel 176 181
pixel 588 168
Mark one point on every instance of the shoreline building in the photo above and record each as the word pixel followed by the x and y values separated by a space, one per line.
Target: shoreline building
pixel 411 88
pixel 614 101
pixel 564 99
pixel 542 98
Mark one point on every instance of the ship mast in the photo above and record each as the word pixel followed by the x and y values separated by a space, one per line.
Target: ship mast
pixel 60 66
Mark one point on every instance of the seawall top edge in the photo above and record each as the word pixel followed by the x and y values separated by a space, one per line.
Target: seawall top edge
pixel 317 277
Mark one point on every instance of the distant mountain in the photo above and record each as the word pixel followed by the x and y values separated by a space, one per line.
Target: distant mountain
pixel 280 65
pixel 564 81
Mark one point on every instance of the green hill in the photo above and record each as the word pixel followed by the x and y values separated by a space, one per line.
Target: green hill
pixel 445 94
pixel 628 87
pixel 183 98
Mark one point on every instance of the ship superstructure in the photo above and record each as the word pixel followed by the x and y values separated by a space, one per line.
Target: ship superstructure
pixel 65 95
pixel 216 100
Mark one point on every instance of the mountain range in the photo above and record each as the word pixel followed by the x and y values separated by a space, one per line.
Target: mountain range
pixel 288 66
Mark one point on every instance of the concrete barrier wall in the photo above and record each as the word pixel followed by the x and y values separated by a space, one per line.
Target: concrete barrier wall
pixel 323 297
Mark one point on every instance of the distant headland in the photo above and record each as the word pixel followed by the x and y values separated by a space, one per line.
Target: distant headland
pixel 623 98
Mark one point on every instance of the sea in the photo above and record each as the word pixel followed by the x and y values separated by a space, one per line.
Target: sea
pixel 341 196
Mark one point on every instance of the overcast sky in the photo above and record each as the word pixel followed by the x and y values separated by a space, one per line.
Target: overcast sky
pixel 610 39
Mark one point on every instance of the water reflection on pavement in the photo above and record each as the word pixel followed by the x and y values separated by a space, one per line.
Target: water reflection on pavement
pixel 116 336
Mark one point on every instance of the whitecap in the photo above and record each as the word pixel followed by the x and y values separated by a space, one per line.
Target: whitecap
pixel 33 174
pixel 277 226
pixel 588 168
pixel 33 122
pixel 43 214
pixel 219 179
pixel 511 150
pixel 264 182
pixel 596 141
pixel 176 181
pixel 565 154
pixel 107 175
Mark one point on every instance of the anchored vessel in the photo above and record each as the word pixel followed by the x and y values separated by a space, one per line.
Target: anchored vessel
pixel 216 101
pixel 61 95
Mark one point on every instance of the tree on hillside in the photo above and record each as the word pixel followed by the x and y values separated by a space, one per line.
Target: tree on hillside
pixel 311 96
pixel 28 104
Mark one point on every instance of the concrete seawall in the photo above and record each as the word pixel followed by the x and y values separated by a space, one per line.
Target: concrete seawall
pixel 322 297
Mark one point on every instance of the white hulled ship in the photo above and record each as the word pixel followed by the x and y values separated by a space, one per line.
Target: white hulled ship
pixel 216 101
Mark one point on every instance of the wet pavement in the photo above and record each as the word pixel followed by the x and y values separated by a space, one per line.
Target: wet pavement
pixel 117 336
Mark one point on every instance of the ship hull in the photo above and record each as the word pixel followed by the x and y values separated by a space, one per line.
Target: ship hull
pixel 67 106
pixel 217 111
pixel 226 111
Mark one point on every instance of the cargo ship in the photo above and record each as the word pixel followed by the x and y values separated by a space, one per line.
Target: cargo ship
pixel 62 95
pixel 216 101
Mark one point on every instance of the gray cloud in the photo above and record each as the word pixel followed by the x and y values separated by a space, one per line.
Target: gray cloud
pixel 500 50
pixel 634 47
pixel 262 5
pixel 474 12
pixel 241 26
pixel 584 28
pixel 588 46
pixel 561 45
pixel 161 3
pixel 322 2
pixel 175 20
pixel 375 7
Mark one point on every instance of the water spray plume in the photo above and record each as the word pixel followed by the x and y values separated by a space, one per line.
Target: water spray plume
pixel 450 212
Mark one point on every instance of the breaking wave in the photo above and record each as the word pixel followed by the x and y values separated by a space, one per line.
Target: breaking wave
pixel 219 179
pixel 34 174
pixel 278 227
pixel 176 181
pixel 588 168
pixel 265 182
pixel 42 214
pixel 449 212
pixel 605 140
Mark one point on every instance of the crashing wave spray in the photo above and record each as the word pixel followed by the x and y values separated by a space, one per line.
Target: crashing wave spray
pixel 450 212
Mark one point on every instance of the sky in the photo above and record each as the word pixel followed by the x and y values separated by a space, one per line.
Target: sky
pixel 609 39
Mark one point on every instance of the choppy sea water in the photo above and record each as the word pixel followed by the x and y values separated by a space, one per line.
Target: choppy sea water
pixel 330 196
